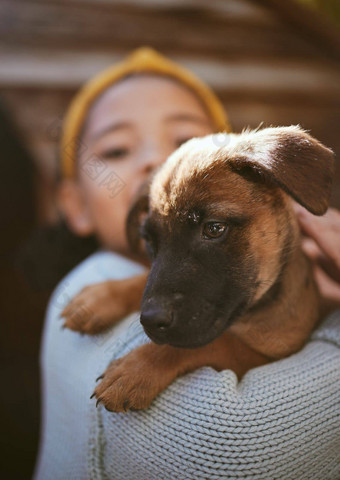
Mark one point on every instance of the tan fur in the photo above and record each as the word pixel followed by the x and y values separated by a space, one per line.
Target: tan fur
pixel 202 172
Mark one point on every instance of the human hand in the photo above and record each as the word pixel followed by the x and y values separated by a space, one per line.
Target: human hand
pixel 321 243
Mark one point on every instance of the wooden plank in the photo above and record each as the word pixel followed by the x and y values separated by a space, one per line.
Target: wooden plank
pixel 236 9
pixel 298 98
pixel 312 24
pixel 27 67
pixel 59 24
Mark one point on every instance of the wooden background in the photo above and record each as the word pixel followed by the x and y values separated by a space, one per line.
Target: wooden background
pixel 270 61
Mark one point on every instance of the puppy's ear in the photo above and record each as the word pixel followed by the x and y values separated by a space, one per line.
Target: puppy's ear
pixel 291 158
pixel 137 212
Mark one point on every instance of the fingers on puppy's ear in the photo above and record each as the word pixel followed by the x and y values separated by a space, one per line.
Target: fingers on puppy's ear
pixel 292 159
pixel 137 212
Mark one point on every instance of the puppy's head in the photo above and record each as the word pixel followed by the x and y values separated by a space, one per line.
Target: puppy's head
pixel 220 228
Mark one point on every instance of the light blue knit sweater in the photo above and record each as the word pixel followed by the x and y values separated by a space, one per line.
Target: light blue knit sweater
pixel 282 421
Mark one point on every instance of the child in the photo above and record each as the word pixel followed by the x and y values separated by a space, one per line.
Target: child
pixel 205 425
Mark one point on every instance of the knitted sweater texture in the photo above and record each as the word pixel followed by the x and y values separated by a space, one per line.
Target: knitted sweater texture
pixel 282 421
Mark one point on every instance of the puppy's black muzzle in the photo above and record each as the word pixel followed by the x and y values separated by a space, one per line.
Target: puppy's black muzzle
pixel 192 318
pixel 194 291
pixel 156 318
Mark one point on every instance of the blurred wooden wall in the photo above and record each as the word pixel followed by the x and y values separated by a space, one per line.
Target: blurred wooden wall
pixel 269 61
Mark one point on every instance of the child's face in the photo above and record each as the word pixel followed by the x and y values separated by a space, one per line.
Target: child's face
pixel 133 127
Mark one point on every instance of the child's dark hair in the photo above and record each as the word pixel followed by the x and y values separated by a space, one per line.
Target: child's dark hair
pixel 51 252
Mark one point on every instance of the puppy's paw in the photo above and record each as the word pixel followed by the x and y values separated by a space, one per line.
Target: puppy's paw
pixel 95 309
pixel 129 383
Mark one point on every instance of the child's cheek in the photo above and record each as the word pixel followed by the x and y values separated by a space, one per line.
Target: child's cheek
pixel 108 198
pixel 109 216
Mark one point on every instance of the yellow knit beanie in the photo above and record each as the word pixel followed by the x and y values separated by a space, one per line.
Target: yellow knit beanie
pixel 142 60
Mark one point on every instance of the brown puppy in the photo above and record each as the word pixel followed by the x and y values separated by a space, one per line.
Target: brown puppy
pixel 229 286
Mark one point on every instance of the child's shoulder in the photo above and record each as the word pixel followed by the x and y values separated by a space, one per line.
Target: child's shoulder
pixel 104 264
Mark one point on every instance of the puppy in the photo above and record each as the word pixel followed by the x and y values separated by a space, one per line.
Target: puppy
pixel 229 286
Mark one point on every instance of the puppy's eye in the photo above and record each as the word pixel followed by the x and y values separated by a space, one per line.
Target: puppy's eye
pixel 214 229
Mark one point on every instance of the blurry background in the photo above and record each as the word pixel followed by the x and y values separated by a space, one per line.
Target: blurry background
pixel 270 61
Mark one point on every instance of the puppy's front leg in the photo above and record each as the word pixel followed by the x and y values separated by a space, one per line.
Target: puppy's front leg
pixel 133 381
pixel 98 307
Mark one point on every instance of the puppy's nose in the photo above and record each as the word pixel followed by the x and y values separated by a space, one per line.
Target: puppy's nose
pixel 156 318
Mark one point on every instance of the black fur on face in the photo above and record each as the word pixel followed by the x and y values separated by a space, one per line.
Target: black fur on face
pixel 197 284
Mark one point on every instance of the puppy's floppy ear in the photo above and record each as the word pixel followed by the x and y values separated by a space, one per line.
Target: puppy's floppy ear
pixel 137 212
pixel 291 158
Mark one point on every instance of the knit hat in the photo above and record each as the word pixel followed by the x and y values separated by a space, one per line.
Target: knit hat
pixel 142 60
